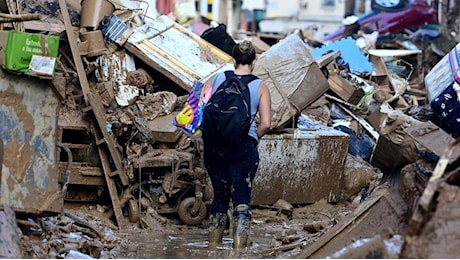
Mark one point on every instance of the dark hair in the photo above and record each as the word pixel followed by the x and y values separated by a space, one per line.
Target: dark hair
pixel 244 52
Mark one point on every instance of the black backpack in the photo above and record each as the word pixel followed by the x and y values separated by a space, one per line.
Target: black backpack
pixel 227 114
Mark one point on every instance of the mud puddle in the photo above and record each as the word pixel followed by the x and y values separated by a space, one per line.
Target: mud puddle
pixel 191 242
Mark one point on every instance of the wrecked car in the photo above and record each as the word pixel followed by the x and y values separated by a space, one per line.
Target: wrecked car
pixel 415 14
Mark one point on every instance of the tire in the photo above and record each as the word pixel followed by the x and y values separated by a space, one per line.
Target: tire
pixel 186 215
pixel 388 5
pixel 133 211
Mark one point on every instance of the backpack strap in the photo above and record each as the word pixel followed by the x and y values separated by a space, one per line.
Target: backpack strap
pixel 246 79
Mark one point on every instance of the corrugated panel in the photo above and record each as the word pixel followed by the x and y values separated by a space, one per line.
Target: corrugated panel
pixel 28 109
pixel 301 167
pixel 183 55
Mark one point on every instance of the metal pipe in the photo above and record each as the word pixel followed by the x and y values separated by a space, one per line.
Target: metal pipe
pixel 67 171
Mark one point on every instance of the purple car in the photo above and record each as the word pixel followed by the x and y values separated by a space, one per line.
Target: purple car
pixel 391 16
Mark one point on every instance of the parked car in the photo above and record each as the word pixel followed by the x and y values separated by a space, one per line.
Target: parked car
pixel 404 14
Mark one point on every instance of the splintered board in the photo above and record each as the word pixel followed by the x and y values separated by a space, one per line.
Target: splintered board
pixel 177 52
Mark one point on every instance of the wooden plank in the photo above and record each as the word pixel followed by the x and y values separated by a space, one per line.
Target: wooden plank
pixel 77 146
pixel 388 214
pixel 433 138
pixel 324 60
pixel 341 101
pixel 425 202
pixel 75 51
pixel 81 175
pixel 44 26
pixel 363 122
pixel 339 227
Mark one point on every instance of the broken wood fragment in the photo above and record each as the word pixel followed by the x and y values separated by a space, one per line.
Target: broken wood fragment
pixel 339 227
pixel 301 243
pixel 341 101
pixel 83 222
pixel 27 223
pixel 141 124
pixel 315 226
pixel 278 218
pixel 8 18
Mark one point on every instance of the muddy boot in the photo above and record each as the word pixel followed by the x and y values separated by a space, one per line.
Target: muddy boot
pixel 217 223
pixel 241 226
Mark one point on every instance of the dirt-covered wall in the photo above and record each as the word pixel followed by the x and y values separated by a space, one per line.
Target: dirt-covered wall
pixel 28 109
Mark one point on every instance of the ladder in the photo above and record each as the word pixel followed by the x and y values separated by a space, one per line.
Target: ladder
pixel 110 155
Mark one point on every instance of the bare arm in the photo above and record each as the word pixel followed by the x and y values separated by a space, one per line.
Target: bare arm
pixel 265 111
pixel 209 81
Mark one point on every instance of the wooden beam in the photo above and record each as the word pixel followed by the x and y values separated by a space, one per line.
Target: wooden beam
pixel 339 227
pixel 75 51
pixel 112 189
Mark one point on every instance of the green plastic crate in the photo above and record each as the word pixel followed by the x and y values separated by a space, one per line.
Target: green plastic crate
pixel 21 47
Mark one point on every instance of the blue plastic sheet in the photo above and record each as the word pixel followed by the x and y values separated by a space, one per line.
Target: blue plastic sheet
pixel 350 53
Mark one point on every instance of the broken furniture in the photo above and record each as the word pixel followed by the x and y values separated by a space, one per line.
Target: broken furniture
pixel 161 44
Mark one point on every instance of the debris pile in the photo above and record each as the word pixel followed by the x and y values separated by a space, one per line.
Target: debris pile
pixel 119 93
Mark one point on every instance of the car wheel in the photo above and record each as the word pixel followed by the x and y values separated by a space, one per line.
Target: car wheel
pixel 388 5
pixel 189 217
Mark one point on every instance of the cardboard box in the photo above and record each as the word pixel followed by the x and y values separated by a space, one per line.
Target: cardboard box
pixel 344 89
pixel 31 53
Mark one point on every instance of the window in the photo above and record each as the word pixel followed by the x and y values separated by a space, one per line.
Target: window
pixel 328 3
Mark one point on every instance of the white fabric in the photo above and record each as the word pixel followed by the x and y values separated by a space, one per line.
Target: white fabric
pixel 253 4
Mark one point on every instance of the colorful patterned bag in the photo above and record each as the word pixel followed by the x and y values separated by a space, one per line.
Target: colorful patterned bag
pixel 191 115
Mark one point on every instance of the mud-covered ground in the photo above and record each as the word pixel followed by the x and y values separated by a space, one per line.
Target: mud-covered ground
pixel 281 230
pixel 84 231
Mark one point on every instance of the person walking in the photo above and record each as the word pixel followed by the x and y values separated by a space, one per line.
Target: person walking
pixel 232 171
